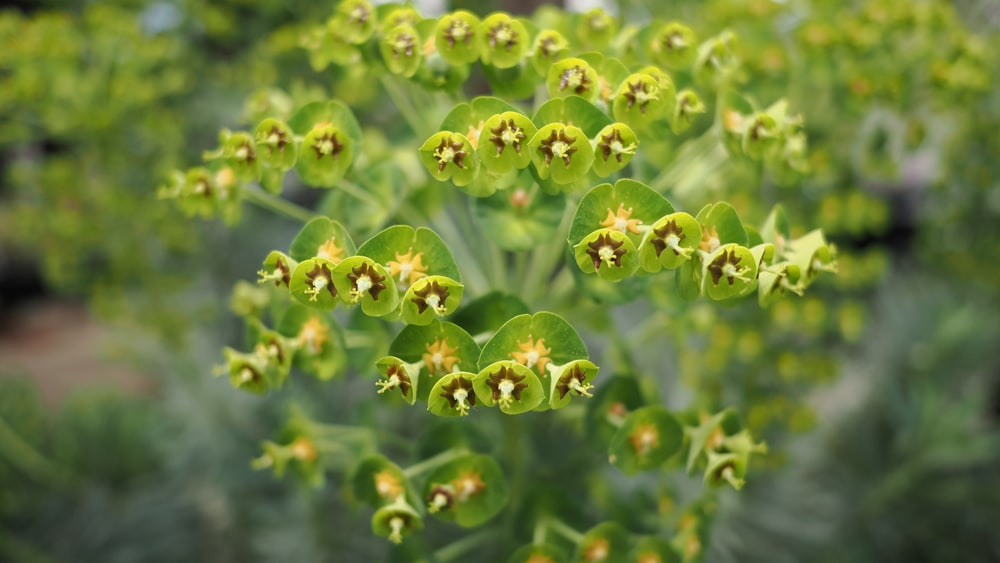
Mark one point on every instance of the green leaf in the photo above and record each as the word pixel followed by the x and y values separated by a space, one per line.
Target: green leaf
pixel 721 225
pixel 321 350
pixel 443 347
pixel 535 341
pixel 411 254
pixel 473 487
pixel 623 206
pixel 645 440
pixel 572 109
pixel 324 238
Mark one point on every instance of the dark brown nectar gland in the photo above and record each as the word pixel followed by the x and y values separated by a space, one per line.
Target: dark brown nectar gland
pixel 727 264
pixel 318 279
pixel 506 385
pixel 432 296
pixel 459 394
pixel 549 47
pixel 575 78
pixel 365 279
pixel 276 140
pixel 458 31
pixel 668 236
pixel 640 93
pixel 502 34
pixel 245 153
pixel 612 143
pixel 404 44
pixel 395 376
pixel 574 380
pixel 606 250
pixel 558 145
pixel 507 134
pixel 450 150
pixel 327 144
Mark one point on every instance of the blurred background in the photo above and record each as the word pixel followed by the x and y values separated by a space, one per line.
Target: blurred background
pixel 116 444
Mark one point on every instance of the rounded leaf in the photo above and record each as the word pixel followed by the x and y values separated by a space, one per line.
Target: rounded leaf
pixel 535 342
pixel 509 384
pixel 324 238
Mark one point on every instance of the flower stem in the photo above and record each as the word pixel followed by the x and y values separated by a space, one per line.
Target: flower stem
pixel 457 549
pixel 262 199
pixel 433 462
pixel 561 528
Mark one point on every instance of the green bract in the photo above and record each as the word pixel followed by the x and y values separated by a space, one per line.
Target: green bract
pixel 550 46
pixel 275 144
pixel 646 439
pixel 607 541
pixel 319 344
pixel 672 45
pixel 608 252
pixel 572 77
pixel 509 384
pixel 431 297
pixel 312 283
pixel 596 28
pixel 562 152
pixel 503 40
pixel 503 142
pixel 468 491
pixel 729 271
pixel 686 109
pixel 330 134
pixel 359 279
pixel 455 37
pixel 642 98
pixel 614 148
pixel 440 348
pixel 240 153
pixel 324 238
pixel 570 380
pixel 450 156
pixel 411 254
pixel 670 242
pixel 402 50
pixel 452 395
pixel 278 267
pixel 528 340
pixel 397 374
pixel 356 20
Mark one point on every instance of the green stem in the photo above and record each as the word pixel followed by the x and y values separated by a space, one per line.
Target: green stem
pixel 22 455
pixel 433 462
pixel 455 550
pixel 560 527
pixel 402 103
pixel 259 197
pixel 538 537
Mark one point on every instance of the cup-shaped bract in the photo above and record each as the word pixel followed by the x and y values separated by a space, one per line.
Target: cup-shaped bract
pixel 608 252
pixel 606 542
pixel 468 491
pixel 643 98
pixel 240 152
pixel 536 342
pixel 687 107
pixel 728 272
pixel 812 254
pixel 572 77
pixel 455 37
pixel 320 348
pixel 612 402
pixel 355 21
pixel 614 148
pixel 277 268
pixel 567 381
pixel 312 284
pixel 450 156
pixel 596 28
pixel 671 241
pixel 453 394
pixel 761 135
pixel 395 374
pixel 549 47
pixel 378 481
pixel 503 40
pixel 411 254
pixel 503 142
pixel 672 45
pixel 561 152
pixel 275 142
pixel 402 50
pixel 359 279
pixel 512 386
pixel 331 136
pixel 645 440
pixel 429 298
pixel 716 60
